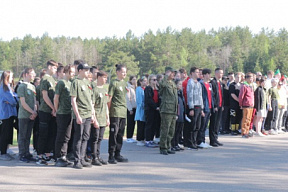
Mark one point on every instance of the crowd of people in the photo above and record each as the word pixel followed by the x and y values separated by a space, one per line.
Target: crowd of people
pixel 68 108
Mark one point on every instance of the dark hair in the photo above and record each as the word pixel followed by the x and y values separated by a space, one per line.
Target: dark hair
pixel 5 80
pixel 248 75
pixel 67 68
pixel 182 70
pixel 27 70
pixel 193 69
pixel 52 63
pixel 60 68
pixel 206 71
pixel 261 80
pixel 218 69
pixel 101 74
pixel 79 61
pixel 119 67
pixel 230 73
pixel 131 77
pixel 36 79
pixel 159 76
pixel 42 73
pixel 224 78
pixel 138 83
pixel 92 68
pixel 177 81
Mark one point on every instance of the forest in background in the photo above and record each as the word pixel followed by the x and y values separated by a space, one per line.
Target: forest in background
pixel 233 49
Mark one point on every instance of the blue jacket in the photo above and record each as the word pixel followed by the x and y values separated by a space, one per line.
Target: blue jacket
pixel 205 98
pixel 7 103
pixel 139 115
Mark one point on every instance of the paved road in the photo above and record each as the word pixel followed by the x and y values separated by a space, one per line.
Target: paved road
pixel 257 164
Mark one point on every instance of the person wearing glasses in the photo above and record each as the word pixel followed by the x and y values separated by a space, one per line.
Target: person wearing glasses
pixel 151 107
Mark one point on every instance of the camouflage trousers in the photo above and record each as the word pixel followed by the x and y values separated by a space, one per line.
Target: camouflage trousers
pixel 167 128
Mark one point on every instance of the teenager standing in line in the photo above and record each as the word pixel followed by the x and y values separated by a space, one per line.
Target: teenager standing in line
pixel 27 114
pixel 100 100
pixel 117 113
pixel 131 108
pixel 62 104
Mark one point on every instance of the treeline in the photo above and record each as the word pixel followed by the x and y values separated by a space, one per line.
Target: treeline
pixel 233 49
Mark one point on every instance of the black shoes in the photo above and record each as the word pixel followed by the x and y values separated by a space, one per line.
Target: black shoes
pixel 86 164
pixel 170 152
pixel 102 161
pixel 96 162
pixel 175 149
pixel 218 143
pixel 163 152
pixel 112 160
pixel 120 158
pixel 78 165
pixel 214 144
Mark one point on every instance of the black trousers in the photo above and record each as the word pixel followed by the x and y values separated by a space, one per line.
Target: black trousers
pixel 96 137
pixel 274 112
pixel 81 136
pixel 140 130
pixel 226 119
pixel 25 128
pixel 6 131
pixel 36 133
pixel 215 120
pixel 152 124
pixel 204 124
pixel 116 132
pixel 64 126
pixel 47 133
pixel 191 131
pixel 177 134
pixel 130 124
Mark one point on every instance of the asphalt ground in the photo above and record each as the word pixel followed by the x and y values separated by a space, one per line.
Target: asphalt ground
pixel 254 164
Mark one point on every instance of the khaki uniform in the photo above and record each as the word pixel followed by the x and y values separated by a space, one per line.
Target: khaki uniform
pixel 168 112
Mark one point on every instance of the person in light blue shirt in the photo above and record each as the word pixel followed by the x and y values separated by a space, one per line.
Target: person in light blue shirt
pixel 140 116
pixel 8 112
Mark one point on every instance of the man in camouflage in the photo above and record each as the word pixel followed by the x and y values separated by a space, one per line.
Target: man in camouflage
pixel 168 110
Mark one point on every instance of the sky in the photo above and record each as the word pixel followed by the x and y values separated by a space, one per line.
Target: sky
pixel 108 18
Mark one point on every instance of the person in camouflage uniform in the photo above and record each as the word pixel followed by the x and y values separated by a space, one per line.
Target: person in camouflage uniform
pixel 168 110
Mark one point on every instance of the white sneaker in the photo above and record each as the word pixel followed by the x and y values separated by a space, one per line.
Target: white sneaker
pixel 130 140
pixel 202 145
pixel 181 146
pixel 260 134
pixel 272 132
pixel 207 145
pixel 280 131
pixel 157 140
pixel 140 143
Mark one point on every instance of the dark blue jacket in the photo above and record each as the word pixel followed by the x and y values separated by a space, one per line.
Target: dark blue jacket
pixel 205 97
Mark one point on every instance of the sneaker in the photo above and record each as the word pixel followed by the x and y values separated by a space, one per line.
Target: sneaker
pixel 250 134
pixel 24 159
pixel 51 161
pixel 12 157
pixel 260 134
pixel 86 164
pixel 151 144
pixel 103 162
pixel 112 160
pixel 207 145
pixel 96 162
pixel 41 161
pixel 131 140
pixel 61 163
pixel 202 146
pixel 245 136
pixel 272 132
pixel 70 157
pixel 140 143
pixel 192 148
pixel 264 133
pixel 174 149
pixel 120 158
pixel 11 153
pixel 179 148
pixel 157 140
pixel 5 157
pixel 88 158
pixel 78 165
pixel 280 131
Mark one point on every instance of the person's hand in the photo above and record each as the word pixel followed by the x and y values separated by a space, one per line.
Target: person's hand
pixel 216 109
pixel 108 122
pixel 131 112
pixel 191 113
pixel 176 117
pixel 270 109
pixel 53 113
pixel 202 114
pixel 222 108
pixel 96 124
pixel 157 109
pixel 79 120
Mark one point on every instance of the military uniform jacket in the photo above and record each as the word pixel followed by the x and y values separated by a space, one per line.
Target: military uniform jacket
pixel 169 96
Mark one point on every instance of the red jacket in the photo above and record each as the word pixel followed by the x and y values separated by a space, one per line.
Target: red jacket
pixel 246 95
pixel 184 86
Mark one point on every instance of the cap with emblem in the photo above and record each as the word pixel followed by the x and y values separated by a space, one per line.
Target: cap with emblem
pixel 83 66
